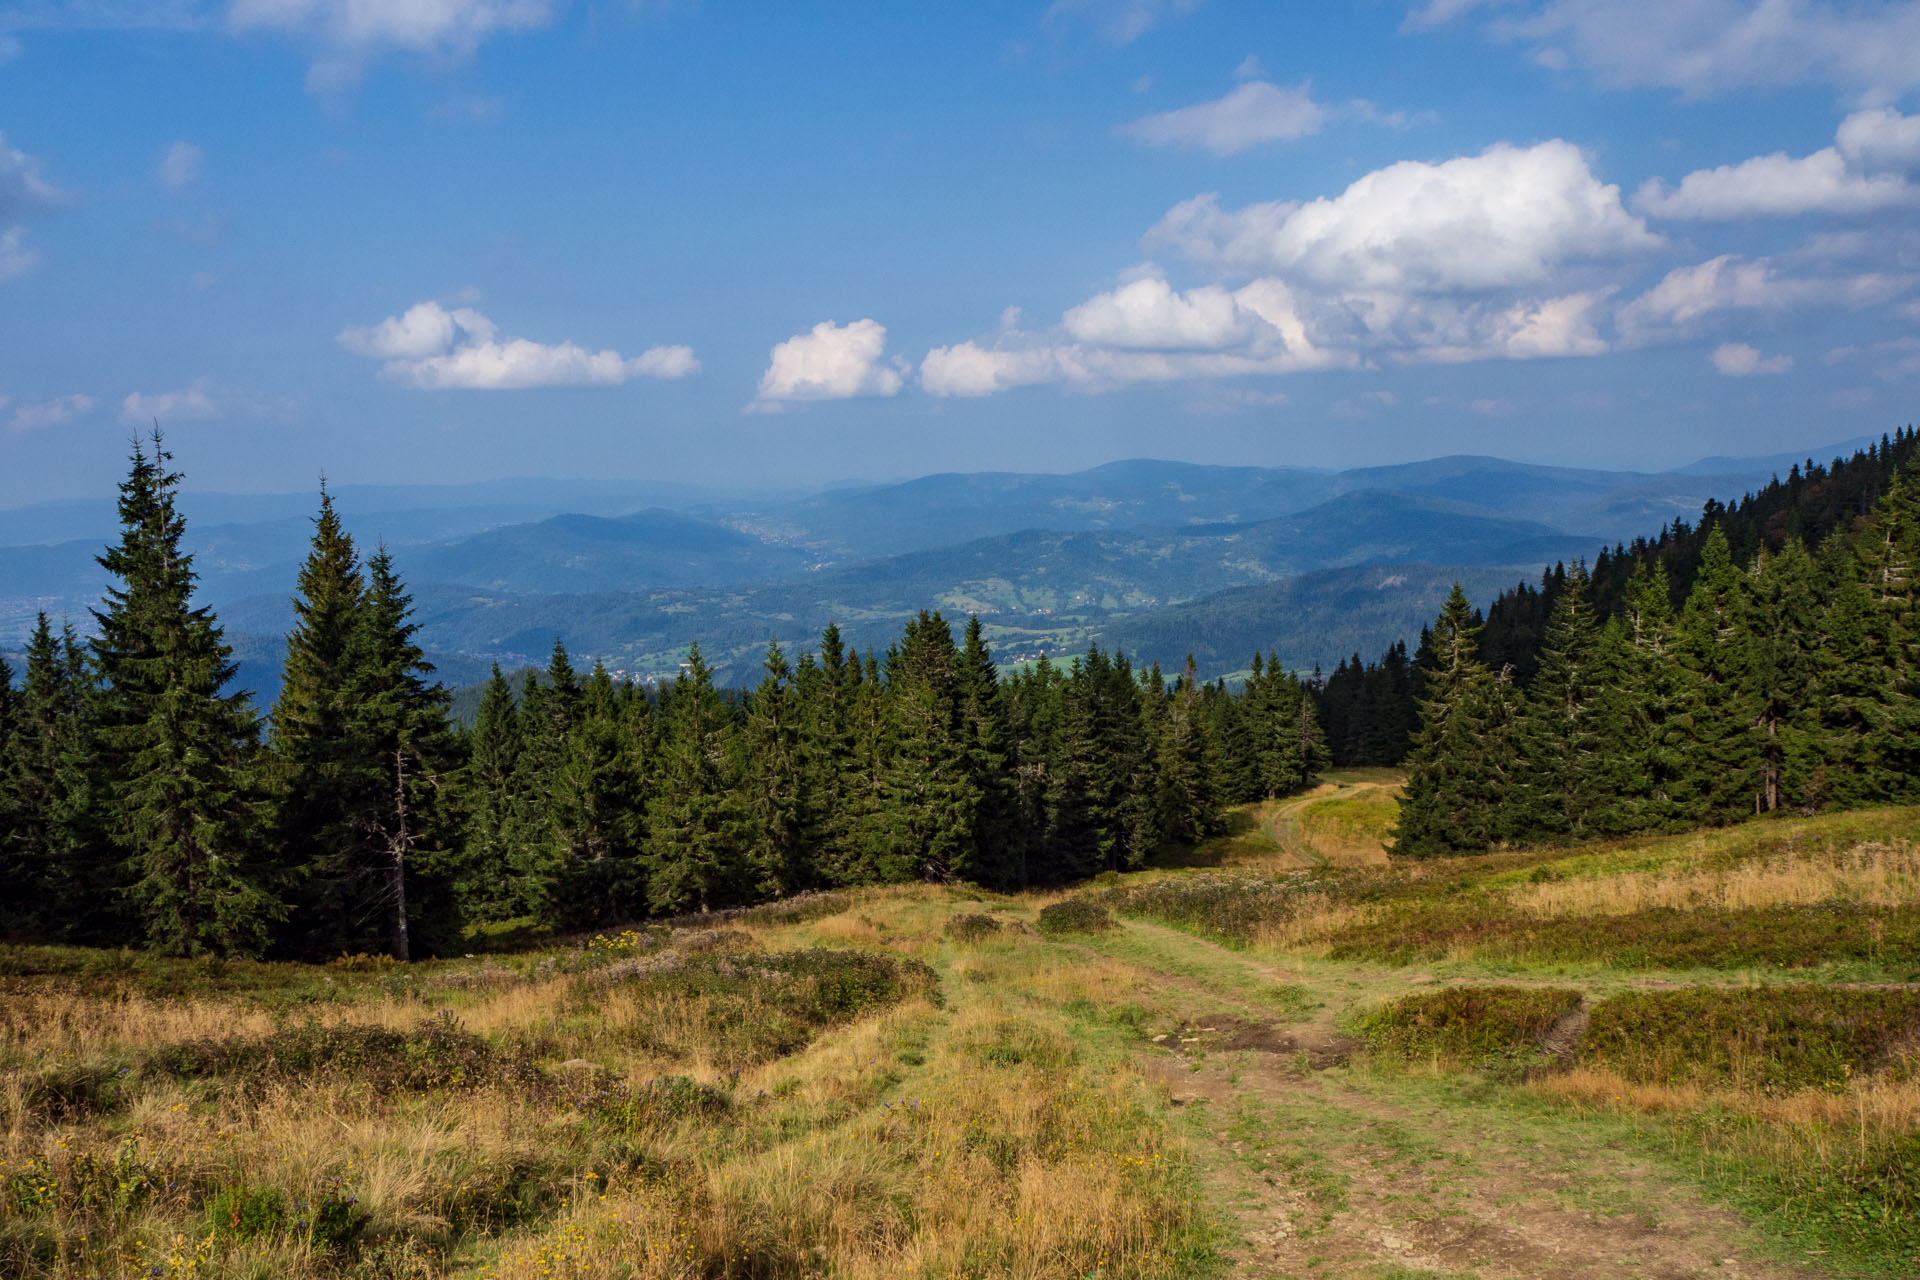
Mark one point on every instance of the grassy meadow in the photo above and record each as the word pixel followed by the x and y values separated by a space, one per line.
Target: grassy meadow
pixel 1278 1055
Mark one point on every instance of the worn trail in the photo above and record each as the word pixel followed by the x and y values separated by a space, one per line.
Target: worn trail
pixel 1330 1171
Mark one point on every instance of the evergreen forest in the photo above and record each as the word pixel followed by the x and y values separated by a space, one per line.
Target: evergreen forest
pixel 143 801
pixel 1767 660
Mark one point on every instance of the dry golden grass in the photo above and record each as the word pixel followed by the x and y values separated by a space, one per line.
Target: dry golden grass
pixel 1875 874
pixel 936 1135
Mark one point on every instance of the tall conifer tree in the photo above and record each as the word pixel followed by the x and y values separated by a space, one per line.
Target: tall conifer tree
pixel 1444 808
pixel 319 778
pixel 177 748
pixel 399 723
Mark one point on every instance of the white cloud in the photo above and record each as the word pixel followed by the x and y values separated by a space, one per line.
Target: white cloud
pixel 1739 360
pixel 432 348
pixel 1860 174
pixel 170 406
pixel 666 362
pixel 1151 313
pixel 1881 139
pixel 422 330
pixel 830 362
pixel 969 369
pixel 1685 297
pixel 1775 186
pixel 1893 360
pixel 1704 47
pixel 1249 68
pixel 1251 114
pixel 179 166
pixel 348 31
pixel 1509 216
pixel 51 413
pixel 1121 21
pixel 22 189
pixel 17 257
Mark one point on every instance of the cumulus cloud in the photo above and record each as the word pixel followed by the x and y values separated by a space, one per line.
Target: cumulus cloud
pixel 1516 253
pixel 1881 139
pixel 1121 21
pixel 829 362
pixel 179 166
pixel 348 31
pixel 195 401
pixel 22 188
pixel 1705 47
pixel 1251 114
pixel 1739 360
pixel 51 413
pixel 17 257
pixel 430 347
pixel 1688 298
pixel 1509 216
pixel 23 191
pixel 422 330
pixel 1865 171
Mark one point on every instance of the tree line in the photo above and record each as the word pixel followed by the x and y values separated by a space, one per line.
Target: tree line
pixel 1787 681
pixel 1372 708
pixel 143 801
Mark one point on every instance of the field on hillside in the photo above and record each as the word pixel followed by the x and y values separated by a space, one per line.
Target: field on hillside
pixel 1690 1055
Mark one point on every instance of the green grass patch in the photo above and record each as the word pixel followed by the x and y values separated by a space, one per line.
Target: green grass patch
pixel 1356 820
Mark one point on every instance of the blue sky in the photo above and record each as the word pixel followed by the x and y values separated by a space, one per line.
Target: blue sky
pixel 764 245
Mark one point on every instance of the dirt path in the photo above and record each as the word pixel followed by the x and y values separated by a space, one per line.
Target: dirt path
pixel 1328 1171
pixel 1310 850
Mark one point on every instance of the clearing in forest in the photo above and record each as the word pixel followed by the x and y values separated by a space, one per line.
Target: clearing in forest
pixel 1679 1056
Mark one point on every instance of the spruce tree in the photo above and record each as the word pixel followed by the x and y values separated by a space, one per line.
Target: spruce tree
pixel 776 778
pixel 18 877
pixel 1445 805
pixel 595 797
pixel 177 749
pixel 491 890
pixel 1856 698
pixel 698 837
pixel 1188 812
pixel 319 778
pixel 1779 687
pixel 1650 709
pixel 407 860
pixel 1713 642
pixel 995 858
pixel 1564 790
pixel 924 825
pixel 77 878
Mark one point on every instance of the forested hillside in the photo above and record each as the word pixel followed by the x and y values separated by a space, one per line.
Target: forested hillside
pixel 146 800
pixel 1787 679
pixel 1813 502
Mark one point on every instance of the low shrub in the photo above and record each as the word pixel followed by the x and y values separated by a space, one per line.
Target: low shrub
pixel 972 927
pixel 738 1010
pixel 1074 916
pixel 438 1054
pixel 1774 1039
pixel 247 1213
pixel 1233 907
pixel 1786 937
pixel 1472 1024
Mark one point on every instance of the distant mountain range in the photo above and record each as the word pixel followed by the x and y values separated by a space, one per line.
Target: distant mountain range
pixel 1157 558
